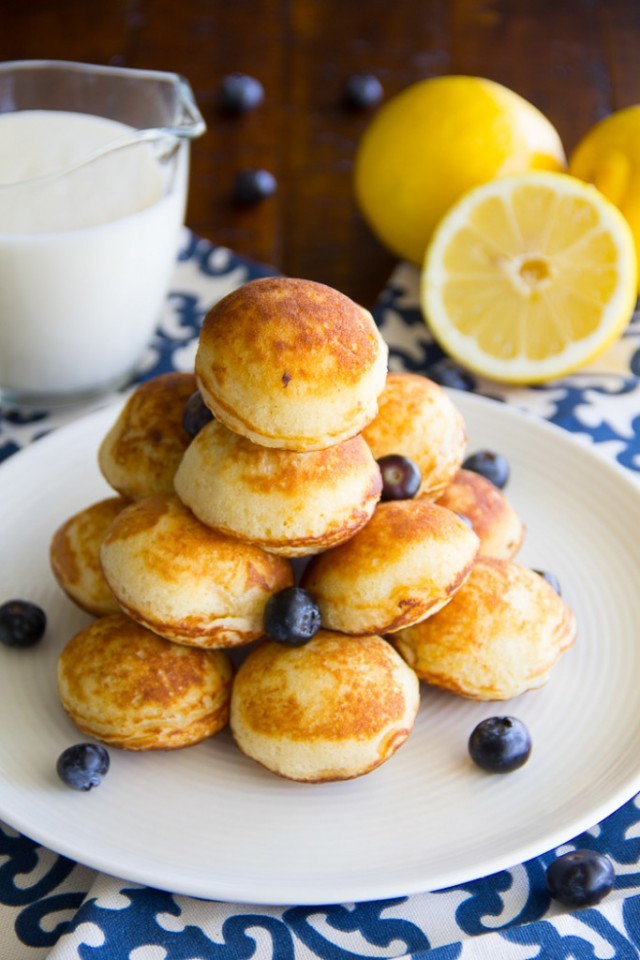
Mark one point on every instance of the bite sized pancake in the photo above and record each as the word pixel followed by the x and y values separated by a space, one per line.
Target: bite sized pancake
pixel 140 453
pixel 501 634
pixel 333 709
pixel 74 554
pixel 185 581
pixel 500 529
pixel 129 688
pixel 291 504
pixel 291 363
pixel 405 564
pixel 417 419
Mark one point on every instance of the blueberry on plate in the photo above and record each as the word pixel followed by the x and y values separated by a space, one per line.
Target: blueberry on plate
pixel 465 519
pixel 292 616
pixel 196 414
pixel 83 765
pixel 401 477
pixel 493 466
pixel 22 623
pixel 500 744
pixel 551 579
pixel 239 93
pixel 252 186
pixel 448 373
pixel 580 878
pixel 362 90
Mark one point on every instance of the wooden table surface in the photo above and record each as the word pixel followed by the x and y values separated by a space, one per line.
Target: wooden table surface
pixel 576 60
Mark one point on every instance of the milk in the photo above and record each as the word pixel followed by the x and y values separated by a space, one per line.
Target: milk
pixel 85 259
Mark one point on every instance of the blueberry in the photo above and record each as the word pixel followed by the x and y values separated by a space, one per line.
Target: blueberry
pixel 83 765
pixel 465 519
pixel 580 878
pixel 252 186
pixel 239 93
pixel 500 744
pixel 292 616
pixel 22 623
pixel 196 414
pixel 362 90
pixel 491 465
pixel 447 373
pixel 551 579
pixel 401 477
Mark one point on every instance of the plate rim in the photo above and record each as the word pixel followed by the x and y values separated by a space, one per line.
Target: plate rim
pixel 371 889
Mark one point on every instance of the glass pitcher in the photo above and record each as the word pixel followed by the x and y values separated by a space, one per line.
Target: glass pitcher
pixel 94 168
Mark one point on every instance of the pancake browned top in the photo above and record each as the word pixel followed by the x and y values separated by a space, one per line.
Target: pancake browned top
pixel 74 554
pixel 291 363
pixel 492 516
pixel 141 452
pixel 331 709
pixel 288 502
pixel 501 634
pixel 185 581
pixel 417 419
pixel 407 562
pixel 130 688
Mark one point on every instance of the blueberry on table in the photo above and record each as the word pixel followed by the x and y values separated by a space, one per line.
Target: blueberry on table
pixel 252 186
pixel 196 414
pixel 83 765
pixel 401 477
pixel 580 878
pixel 500 744
pixel 292 616
pixel 22 623
pixel 240 93
pixel 448 373
pixel 493 466
pixel 362 90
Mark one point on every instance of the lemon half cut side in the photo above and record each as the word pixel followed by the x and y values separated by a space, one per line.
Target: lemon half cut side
pixel 529 277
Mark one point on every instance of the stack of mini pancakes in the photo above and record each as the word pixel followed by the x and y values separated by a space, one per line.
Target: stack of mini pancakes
pixel 202 530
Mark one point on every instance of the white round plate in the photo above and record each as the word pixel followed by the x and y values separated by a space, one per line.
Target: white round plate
pixel 209 822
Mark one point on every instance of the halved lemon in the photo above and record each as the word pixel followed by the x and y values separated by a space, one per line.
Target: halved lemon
pixel 529 277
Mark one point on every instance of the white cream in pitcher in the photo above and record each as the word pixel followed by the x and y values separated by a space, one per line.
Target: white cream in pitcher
pixel 85 258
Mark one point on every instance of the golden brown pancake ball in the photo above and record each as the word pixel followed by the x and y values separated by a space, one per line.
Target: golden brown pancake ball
pixel 289 503
pixel 332 709
pixel 405 564
pixel 416 419
pixel 140 454
pixel 130 688
pixel 501 634
pixel 74 554
pixel 500 529
pixel 185 581
pixel 291 363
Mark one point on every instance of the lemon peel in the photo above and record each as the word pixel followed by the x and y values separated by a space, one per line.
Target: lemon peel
pixel 434 141
pixel 608 156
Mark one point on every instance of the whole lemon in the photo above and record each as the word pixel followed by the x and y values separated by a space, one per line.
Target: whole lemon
pixel 436 140
pixel 608 156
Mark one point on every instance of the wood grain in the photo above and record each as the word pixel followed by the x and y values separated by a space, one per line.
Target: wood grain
pixel 574 59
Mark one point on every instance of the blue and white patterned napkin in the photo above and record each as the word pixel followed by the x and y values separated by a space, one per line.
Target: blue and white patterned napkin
pixel 53 908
